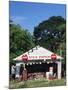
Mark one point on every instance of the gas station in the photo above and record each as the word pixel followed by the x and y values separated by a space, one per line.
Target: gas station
pixel 37 63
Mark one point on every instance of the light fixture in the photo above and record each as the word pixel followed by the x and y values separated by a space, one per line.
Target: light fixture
pixel 48 62
pixel 30 63
pixel 40 63
pixel 33 62
pixel 27 64
pixel 36 62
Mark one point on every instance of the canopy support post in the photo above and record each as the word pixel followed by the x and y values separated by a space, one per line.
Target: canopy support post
pixel 59 69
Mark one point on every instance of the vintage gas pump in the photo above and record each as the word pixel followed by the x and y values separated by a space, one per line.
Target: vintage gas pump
pixel 24 74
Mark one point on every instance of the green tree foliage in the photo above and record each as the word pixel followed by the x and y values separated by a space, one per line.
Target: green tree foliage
pixel 50 33
pixel 20 40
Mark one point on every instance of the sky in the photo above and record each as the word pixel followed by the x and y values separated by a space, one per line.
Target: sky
pixel 28 15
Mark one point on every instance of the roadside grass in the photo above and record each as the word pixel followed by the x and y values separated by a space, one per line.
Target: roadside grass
pixel 36 83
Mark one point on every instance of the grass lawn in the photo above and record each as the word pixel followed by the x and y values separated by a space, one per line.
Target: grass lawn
pixel 36 83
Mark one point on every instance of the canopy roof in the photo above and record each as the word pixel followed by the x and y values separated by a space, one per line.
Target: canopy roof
pixel 38 53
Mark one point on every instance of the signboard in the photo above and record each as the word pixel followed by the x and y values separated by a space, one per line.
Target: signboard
pixel 53 56
pixel 25 58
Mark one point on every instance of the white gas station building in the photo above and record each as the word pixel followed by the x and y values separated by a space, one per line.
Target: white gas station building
pixel 36 56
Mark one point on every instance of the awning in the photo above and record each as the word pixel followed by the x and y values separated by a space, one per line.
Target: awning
pixel 38 53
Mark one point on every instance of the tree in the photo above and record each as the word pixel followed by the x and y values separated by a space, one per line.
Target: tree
pixel 20 40
pixel 49 33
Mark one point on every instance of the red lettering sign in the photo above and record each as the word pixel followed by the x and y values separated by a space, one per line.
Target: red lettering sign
pixel 53 56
